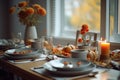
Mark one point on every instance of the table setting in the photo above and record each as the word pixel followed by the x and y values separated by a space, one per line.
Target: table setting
pixel 55 71
pixel 99 60
pixel 72 67
pixel 79 64
pixel 66 61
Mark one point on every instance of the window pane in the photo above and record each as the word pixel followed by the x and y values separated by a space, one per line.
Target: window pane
pixel 114 21
pixel 78 12
pixel 119 18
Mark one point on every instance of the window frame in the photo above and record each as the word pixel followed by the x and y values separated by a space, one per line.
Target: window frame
pixel 105 24
pixel 104 21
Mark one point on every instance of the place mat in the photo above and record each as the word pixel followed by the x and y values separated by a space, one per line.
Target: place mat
pixel 43 72
pixel 58 75
pixel 113 74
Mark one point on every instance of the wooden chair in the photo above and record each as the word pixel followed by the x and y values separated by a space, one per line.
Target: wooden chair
pixel 93 35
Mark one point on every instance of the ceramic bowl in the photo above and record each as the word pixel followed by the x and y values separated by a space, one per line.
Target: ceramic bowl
pixel 79 53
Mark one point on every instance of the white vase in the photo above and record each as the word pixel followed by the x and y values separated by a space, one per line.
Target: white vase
pixel 30 33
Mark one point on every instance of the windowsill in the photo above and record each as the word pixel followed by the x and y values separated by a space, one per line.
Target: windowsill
pixel 114 45
pixel 65 41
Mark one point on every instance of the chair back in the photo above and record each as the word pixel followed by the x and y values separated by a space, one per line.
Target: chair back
pixel 93 35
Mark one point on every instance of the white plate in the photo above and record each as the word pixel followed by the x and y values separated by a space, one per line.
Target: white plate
pixel 34 56
pixel 10 52
pixel 72 66
pixel 54 71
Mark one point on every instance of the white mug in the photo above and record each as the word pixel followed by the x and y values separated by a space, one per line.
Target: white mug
pixel 79 53
pixel 36 45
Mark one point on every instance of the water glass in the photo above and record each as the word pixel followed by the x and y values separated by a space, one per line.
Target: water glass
pixel 47 44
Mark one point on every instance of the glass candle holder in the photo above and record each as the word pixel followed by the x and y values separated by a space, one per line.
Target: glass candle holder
pixel 104 51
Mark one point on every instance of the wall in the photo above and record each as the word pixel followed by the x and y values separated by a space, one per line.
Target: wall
pixel 4 20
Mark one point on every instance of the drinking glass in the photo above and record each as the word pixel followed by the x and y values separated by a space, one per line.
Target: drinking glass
pixel 47 44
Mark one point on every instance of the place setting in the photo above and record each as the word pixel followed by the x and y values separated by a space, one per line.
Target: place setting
pixel 80 63
pixel 58 66
pixel 23 54
pixel 66 68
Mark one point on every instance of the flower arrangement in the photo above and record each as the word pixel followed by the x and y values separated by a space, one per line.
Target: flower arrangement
pixel 29 14
pixel 84 38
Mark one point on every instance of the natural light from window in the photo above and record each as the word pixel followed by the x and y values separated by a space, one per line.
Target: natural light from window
pixel 78 12
pixel 114 21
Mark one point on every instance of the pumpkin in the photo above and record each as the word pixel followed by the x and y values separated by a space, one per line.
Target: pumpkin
pixel 68 48
pixel 92 55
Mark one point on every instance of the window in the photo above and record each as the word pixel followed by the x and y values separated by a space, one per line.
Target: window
pixel 101 15
pixel 71 14
pixel 114 20
pixel 78 12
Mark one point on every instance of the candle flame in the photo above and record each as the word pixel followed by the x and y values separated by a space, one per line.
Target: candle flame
pixel 102 39
pixel 105 41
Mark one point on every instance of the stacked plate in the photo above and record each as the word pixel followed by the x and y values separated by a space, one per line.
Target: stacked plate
pixel 69 67
pixel 12 55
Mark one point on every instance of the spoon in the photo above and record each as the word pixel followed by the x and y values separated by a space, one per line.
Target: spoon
pixel 92 74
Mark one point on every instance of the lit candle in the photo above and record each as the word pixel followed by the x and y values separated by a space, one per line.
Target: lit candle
pixel 105 48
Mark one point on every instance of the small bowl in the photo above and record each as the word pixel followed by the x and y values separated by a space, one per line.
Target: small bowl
pixel 79 53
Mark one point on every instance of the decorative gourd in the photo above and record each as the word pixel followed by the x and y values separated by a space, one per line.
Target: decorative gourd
pixel 68 48
pixel 92 55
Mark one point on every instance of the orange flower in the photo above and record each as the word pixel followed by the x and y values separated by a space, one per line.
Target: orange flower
pixel 12 10
pixel 22 4
pixel 87 30
pixel 37 6
pixel 85 26
pixel 22 14
pixel 29 14
pixel 42 11
pixel 84 29
pixel 80 40
pixel 82 32
pixel 30 10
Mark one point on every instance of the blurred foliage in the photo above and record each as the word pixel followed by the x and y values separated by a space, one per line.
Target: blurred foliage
pixel 83 12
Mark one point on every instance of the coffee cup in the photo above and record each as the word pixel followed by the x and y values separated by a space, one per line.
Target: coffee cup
pixel 79 53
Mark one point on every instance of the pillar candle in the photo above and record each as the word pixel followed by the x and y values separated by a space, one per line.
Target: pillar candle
pixel 105 48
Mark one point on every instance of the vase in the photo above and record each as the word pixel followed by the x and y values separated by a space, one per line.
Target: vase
pixel 30 34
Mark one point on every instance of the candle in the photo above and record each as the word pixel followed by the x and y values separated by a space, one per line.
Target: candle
pixel 105 48
pixel 99 46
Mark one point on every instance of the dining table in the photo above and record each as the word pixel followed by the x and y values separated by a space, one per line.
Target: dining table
pixel 33 70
